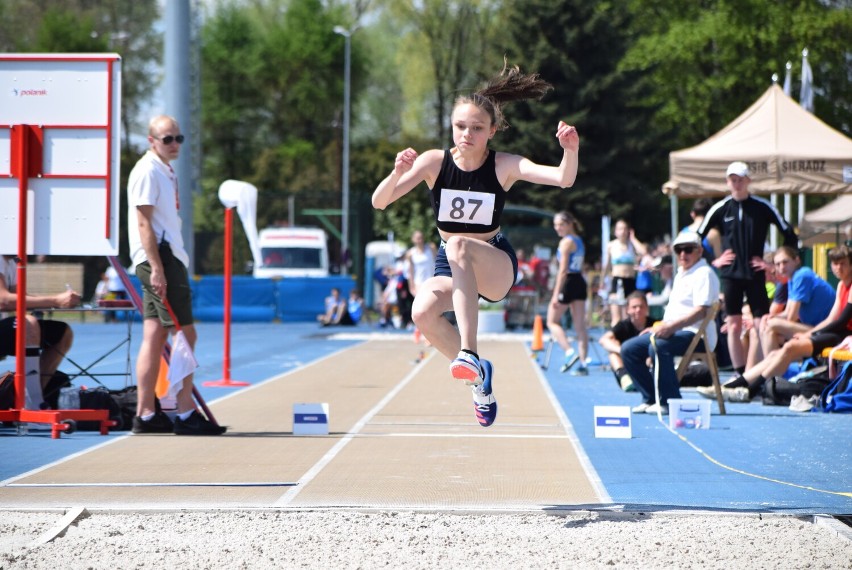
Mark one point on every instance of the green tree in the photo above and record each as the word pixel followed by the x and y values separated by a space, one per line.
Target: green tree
pixel 703 64
pixel 272 107
pixel 576 46
pixel 442 51
pixel 699 66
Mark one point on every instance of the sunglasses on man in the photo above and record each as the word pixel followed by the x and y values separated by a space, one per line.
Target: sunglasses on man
pixel 687 249
pixel 169 139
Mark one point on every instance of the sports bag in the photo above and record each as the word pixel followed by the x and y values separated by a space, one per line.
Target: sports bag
pixel 837 397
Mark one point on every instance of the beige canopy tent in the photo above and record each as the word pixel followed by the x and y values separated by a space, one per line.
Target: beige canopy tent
pixel 788 150
pixel 830 221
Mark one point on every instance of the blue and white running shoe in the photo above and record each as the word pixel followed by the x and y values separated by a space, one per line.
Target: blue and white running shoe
pixel 570 360
pixel 484 403
pixel 467 367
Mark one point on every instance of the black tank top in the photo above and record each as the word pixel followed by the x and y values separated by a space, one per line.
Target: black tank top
pixel 467 202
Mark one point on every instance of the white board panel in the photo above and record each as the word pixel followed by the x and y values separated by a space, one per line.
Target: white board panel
pixel 75 99
pixel 5 152
pixel 54 92
pixel 74 210
pixel 9 218
pixel 75 151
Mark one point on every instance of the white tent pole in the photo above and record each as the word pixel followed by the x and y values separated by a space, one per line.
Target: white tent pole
pixel 788 206
pixel 801 209
pixel 773 232
pixel 673 213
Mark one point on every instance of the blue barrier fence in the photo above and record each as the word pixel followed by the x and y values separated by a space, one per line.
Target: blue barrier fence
pixel 294 299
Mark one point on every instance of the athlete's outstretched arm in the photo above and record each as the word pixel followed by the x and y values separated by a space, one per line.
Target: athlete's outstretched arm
pixel 564 175
pixel 409 170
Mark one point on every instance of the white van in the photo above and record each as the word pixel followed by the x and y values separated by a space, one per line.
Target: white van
pixel 292 252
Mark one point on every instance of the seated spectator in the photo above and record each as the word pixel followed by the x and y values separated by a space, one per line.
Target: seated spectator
pixel 830 332
pixel 776 291
pixel 335 308
pixel 664 266
pixel 47 341
pixel 645 273
pixel 637 321
pixel 695 289
pixel 809 301
pixel 354 308
pixel 712 244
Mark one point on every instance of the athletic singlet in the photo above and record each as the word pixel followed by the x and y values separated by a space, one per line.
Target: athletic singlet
pixel 576 257
pixel 626 258
pixel 467 202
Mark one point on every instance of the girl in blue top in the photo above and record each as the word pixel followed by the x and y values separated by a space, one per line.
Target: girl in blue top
pixel 569 292
pixel 467 186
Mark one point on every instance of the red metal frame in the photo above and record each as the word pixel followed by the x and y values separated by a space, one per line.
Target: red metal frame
pixel 226 381
pixel 27 161
pixel 27 155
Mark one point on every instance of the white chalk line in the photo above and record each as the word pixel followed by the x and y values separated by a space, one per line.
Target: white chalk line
pixel 317 468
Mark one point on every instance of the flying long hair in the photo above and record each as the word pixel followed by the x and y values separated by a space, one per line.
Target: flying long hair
pixel 509 85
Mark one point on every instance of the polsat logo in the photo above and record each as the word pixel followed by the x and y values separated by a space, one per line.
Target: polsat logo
pixel 29 92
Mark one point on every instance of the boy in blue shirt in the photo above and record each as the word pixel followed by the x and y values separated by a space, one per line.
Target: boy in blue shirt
pixel 809 300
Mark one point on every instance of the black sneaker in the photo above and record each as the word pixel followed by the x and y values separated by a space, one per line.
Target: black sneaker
pixel 196 424
pixel 160 423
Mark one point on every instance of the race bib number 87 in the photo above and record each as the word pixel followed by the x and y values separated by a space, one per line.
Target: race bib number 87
pixel 466 207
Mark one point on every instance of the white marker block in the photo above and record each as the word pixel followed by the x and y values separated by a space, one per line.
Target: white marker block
pixel 613 421
pixel 310 419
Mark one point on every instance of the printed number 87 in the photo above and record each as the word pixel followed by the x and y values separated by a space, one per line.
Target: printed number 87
pixel 457 211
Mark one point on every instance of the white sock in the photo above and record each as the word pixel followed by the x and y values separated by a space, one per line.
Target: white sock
pixel 147 417
pixel 32 372
pixel 185 415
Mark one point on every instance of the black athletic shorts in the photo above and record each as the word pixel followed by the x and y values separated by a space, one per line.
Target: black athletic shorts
pixel 442 265
pixel 51 333
pixel 629 284
pixel 825 339
pixel 753 289
pixel 573 289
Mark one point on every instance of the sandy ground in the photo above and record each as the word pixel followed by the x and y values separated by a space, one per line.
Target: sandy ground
pixel 353 539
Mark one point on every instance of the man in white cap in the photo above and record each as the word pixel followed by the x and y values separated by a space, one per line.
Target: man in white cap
pixel 694 291
pixel 743 220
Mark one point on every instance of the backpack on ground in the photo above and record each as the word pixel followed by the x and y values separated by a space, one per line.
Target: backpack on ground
pixel 778 391
pixel 98 399
pixel 837 396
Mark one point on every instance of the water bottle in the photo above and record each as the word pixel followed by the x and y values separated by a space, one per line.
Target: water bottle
pixel 620 292
pixel 69 398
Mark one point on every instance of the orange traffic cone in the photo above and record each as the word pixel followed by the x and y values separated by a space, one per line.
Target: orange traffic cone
pixel 538 333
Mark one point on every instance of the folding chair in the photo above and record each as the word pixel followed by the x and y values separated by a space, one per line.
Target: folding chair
pixel 708 357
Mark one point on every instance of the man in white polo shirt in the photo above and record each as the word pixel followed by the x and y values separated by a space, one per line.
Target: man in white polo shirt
pixel 694 290
pixel 156 247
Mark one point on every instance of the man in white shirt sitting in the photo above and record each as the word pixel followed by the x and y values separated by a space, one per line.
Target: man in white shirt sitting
pixel 694 290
